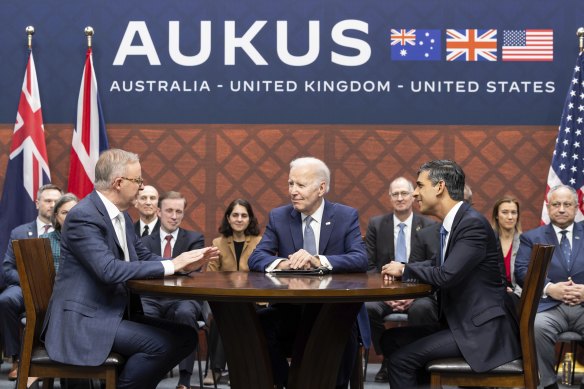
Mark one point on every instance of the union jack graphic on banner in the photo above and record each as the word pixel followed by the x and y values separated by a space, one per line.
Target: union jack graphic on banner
pixel 471 45
pixel 403 37
pixel 28 165
pixel 89 136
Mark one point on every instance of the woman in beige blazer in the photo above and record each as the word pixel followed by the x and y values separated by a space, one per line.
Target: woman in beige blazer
pixel 240 234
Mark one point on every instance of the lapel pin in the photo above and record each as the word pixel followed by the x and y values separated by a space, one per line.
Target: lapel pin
pixel 328 223
pixel 576 237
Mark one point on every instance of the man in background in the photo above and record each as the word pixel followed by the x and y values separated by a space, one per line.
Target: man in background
pixel 11 300
pixel 390 237
pixel 170 241
pixel 147 206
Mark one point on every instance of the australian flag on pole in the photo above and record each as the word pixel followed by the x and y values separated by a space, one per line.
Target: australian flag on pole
pixel 89 135
pixel 28 165
pixel 567 165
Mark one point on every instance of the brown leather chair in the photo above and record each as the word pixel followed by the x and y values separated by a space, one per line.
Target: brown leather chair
pixel 520 372
pixel 34 261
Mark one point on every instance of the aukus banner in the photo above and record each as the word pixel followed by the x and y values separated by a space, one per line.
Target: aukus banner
pixel 301 61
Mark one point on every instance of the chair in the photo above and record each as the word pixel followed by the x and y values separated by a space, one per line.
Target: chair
pixel 521 372
pixel 34 261
pixel 574 338
pixel 391 320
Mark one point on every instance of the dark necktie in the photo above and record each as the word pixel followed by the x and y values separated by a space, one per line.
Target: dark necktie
pixel 309 240
pixel 145 232
pixel 46 227
pixel 401 253
pixel 443 234
pixel 167 248
pixel 565 246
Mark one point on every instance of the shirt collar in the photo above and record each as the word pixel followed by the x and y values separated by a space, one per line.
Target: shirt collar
pixel 163 234
pixel 111 209
pixel 408 222
pixel 557 229
pixel 449 219
pixel 317 215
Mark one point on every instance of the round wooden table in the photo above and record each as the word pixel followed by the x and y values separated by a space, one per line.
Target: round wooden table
pixel 319 346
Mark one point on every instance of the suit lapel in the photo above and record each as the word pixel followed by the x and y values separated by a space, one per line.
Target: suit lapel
pixel 180 244
pixel 461 211
pixel 552 238
pixel 154 243
pixel 326 226
pixel 577 242
pixel 386 234
pixel 296 229
pixel 108 222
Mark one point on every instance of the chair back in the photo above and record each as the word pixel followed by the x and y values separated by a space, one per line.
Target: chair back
pixel 541 256
pixel 34 262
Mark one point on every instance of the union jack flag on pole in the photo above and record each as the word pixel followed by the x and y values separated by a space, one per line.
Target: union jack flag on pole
pixel 89 135
pixel 568 159
pixel 28 165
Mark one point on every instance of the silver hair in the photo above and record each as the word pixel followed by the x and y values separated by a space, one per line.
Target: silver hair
pixel 320 169
pixel 554 188
pixel 112 163
pixel 402 179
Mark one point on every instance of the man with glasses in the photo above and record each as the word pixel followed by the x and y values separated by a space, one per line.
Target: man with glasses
pixel 560 308
pixel 147 206
pixel 389 238
pixel 87 316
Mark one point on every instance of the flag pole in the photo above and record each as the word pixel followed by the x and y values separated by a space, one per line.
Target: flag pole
pixel 89 34
pixel 30 32
pixel 580 34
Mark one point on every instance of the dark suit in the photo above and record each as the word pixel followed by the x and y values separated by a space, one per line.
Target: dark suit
pixel 178 310
pixel 479 326
pixel 11 301
pixel 85 318
pixel 156 227
pixel 379 239
pixel 340 242
pixel 553 316
pixel 379 242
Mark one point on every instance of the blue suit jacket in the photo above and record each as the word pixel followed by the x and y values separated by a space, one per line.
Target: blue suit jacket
pixel 472 293
pixel 558 270
pixel 185 241
pixel 24 231
pixel 340 241
pixel 90 295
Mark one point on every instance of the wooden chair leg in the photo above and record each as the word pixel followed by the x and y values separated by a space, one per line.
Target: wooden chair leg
pixel 435 382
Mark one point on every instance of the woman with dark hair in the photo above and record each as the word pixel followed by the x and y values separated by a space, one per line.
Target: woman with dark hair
pixel 240 234
pixel 62 207
pixel 505 220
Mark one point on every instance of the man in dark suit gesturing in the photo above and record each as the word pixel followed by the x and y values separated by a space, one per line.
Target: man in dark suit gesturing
pixel 170 241
pixel 99 253
pixel 309 233
pixel 391 237
pixel 477 323
pixel 560 308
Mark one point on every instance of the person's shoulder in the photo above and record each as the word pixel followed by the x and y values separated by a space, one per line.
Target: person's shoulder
pixel 379 218
pixel 190 234
pixel 339 207
pixel 423 220
pixel 537 231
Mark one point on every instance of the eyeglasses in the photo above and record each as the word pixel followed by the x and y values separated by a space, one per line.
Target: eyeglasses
pixel 396 195
pixel 138 180
pixel 557 204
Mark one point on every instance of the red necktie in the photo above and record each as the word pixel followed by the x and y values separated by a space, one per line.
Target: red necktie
pixel 167 248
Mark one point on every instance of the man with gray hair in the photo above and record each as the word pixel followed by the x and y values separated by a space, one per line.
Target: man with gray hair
pixel 560 308
pixel 309 233
pixel 391 237
pixel 100 251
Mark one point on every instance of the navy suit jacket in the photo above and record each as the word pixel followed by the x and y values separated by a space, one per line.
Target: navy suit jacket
pixel 340 238
pixel 472 294
pixel 185 241
pixel 24 231
pixel 340 241
pixel 426 244
pixel 379 239
pixel 558 270
pixel 90 294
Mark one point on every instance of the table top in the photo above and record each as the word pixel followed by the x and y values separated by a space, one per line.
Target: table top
pixel 252 286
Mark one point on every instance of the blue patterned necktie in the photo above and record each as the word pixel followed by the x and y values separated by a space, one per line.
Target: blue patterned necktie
pixel 565 246
pixel 443 234
pixel 309 240
pixel 401 254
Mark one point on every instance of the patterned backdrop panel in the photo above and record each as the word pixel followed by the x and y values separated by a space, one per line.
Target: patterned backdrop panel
pixel 214 164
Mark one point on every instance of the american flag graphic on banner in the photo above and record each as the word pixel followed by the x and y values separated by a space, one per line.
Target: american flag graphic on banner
pixel 471 45
pixel 528 45
pixel 568 159
pixel 89 135
pixel 28 165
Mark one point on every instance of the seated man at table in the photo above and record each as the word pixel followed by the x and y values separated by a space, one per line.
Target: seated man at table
pixel 100 251
pixel 170 241
pixel 309 233
pixel 477 324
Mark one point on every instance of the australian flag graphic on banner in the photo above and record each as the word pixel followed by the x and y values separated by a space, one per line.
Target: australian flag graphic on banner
pixel 28 165
pixel 415 45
